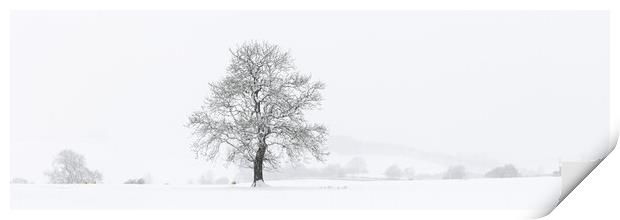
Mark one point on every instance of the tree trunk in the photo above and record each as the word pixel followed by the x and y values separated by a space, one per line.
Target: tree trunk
pixel 258 165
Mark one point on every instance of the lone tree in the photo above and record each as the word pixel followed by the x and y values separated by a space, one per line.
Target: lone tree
pixel 254 116
pixel 70 168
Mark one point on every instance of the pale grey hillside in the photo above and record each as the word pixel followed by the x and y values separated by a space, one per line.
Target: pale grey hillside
pixel 346 146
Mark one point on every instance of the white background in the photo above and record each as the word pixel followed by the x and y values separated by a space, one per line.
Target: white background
pixel 595 198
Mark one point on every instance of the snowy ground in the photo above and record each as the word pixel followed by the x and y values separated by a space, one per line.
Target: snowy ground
pixel 514 193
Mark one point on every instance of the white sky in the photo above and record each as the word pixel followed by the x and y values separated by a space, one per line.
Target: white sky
pixel 520 87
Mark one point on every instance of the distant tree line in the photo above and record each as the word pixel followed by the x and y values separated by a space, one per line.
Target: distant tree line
pixel 70 167
pixel 208 178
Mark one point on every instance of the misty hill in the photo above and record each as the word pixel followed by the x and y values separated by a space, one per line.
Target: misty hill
pixel 346 146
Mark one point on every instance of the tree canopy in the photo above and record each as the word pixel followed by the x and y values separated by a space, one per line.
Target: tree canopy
pixel 69 167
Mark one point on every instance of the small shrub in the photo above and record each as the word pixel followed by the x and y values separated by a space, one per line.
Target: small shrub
pixel 135 181
pixel 334 170
pixel 557 172
pixel 393 172
pixel 455 172
pixel 19 181
pixel 409 173
pixel 506 171
pixel 206 178
pixel 222 180
pixel 356 166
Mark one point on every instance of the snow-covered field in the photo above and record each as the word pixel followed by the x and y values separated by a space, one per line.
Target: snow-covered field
pixel 514 193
